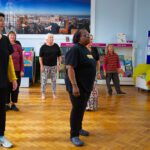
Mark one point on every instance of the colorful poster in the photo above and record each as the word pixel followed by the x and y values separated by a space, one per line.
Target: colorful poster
pixel 28 56
pixel 46 16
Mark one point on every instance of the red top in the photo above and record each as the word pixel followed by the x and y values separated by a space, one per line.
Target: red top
pixel 111 62
pixel 17 58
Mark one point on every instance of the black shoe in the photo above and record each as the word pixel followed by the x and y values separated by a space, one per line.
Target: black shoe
pixel 76 141
pixel 7 107
pixel 84 132
pixel 121 93
pixel 14 107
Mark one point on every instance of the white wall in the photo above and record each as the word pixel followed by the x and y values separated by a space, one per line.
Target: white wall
pixel 141 28
pixel 128 16
pixel 37 41
pixel 112 17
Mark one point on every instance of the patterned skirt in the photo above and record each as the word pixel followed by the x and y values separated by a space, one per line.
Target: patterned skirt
pixel 92 103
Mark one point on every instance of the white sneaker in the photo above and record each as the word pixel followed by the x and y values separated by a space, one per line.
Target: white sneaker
pixel 5 142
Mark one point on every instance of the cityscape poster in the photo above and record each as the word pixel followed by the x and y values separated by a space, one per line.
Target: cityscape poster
pixel 46 16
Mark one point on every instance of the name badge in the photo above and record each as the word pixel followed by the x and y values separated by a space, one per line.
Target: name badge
pixel 90 56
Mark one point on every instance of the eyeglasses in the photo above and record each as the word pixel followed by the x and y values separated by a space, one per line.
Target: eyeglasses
pixel 86 35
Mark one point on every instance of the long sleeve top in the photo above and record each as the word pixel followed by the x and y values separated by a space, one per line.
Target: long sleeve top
pixel 111 63
pixel 17 57
pixel 11 71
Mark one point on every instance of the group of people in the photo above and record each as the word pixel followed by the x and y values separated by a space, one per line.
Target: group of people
pixel 82 70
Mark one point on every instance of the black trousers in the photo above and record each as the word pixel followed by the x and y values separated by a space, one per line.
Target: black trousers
pixel 77 112
pixel 3 98
pixel 12 96
pixel 114 77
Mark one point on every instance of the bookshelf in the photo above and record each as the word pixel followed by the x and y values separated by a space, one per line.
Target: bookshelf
pixel 122 49
pixel 65 47
pixel 126 52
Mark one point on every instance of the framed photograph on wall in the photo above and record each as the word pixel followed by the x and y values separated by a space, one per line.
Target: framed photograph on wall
pixel 47 16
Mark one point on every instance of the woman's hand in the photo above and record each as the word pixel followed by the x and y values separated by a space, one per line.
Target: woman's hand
pixel 98 75
pixel 21 74
pixel 75 90
pixel 58 67
pixel 105 73
pixel 14 84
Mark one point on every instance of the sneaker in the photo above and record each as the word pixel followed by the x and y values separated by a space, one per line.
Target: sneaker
pixel 76 141
pixel 14 107
pixel 7 107
pixel 121 93
pixel 5 142
pixel 84 132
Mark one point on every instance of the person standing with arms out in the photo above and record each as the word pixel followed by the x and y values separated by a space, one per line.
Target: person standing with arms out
pixel 18 62
pixel 110 66
pixel 6 72
pixel 49 54
pixel 81 71
pixel 92 103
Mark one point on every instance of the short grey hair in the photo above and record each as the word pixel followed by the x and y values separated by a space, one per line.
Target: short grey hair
pixel 47 36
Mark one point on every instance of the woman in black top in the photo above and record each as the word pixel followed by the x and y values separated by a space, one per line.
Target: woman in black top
pixel 92 103
pixel 49 54
pixel 81 71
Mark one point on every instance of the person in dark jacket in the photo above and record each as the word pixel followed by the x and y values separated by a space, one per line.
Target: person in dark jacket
pixel 6 72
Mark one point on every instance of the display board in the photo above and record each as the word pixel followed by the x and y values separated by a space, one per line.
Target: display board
pixel 29 63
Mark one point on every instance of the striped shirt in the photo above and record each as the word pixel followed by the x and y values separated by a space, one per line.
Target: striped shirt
pixel 111 63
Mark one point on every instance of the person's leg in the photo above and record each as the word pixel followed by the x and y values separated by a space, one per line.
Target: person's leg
pixel 53 75
pixel 116 82
pixel 76 117
pixel 44 77
pixel 3 97
pixel 108 80
pixel 84 99
pixel 14 94
pixel 95 95
pixel 8 99
pixel 89 105
pixel 77 112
